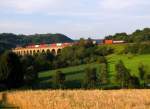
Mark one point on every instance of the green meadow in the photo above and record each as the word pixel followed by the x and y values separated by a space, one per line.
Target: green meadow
pixel 77 72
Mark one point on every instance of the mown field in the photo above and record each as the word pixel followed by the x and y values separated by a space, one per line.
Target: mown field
pixel 80 99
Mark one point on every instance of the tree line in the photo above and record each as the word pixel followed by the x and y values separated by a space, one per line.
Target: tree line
pixel 137 36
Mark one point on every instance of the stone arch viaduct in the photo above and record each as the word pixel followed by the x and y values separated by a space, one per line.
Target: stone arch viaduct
pixel 31 50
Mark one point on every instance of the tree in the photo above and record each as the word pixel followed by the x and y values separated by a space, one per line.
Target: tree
pixel 11 70
pixel 142 71
pixel 59 80
pixel 134 82
pixel 82 42
pixel 122 74
pixel 144 74
pixel 103 74
pixel 91 77
pixel 41 63
pixel 31 75
pixel 89 43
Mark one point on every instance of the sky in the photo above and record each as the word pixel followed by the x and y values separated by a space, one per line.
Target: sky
pixel 74 18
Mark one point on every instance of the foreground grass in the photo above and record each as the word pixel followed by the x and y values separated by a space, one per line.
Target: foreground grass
pixel 81 99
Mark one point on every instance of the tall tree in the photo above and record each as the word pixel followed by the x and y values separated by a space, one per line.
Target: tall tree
pixel 11 70
pixel 122 74
pixel 91 77
pixel 59 79
pixel 103 74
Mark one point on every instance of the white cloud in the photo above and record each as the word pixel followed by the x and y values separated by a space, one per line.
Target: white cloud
pixel 74 17
pixel 29 6
pixel 15 26
pixel 123 4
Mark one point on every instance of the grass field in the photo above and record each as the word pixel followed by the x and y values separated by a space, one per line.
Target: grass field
pixel 77 73
pixel 74 76
pixel 73 73
pixel 131 62
pixel 80 99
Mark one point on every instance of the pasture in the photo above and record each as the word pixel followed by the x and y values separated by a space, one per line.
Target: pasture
pixel 76 73
pixel 131 62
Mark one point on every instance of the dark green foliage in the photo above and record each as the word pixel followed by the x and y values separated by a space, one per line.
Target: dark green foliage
pixel 122 74
pixel 30 76
pixel 104 50
pixel 137 36
pixel 142 71
pixel 144 74
pixel 42 62
pixel 90 78
pixel 11 70
pixel 102 59
pixel 118 36
pixel 59 80
pixel 103 74
pixel 138 48
pixel 134 82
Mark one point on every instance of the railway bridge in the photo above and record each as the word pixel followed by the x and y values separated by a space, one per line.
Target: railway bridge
pixel 43 48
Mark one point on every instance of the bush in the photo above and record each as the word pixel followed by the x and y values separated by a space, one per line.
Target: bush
pixel 59 80
pixel 91 78
pixel 122 74
pixel 103 74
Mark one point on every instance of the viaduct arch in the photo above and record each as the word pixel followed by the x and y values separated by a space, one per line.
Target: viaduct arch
pixel 32 51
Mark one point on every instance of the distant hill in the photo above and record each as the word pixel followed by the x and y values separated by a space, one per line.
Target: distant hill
pixel 9 40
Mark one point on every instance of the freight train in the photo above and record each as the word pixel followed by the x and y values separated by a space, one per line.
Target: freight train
pixel 103 41
pixel 97 41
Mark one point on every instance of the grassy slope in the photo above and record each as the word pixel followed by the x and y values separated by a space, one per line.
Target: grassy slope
pixel 131 62
pixel 73 73
pixel 77 72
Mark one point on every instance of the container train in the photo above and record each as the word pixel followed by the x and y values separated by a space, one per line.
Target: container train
pixel 103 41
pixel 98 42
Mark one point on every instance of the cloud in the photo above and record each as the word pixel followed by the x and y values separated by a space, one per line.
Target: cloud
pixel 15 26
pixel 123 4
pixel 74 17
pixel 30 6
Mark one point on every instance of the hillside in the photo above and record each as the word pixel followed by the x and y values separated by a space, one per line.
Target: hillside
pixel 131 62
pixel 73 74
pixel 9 40
pixel 76 74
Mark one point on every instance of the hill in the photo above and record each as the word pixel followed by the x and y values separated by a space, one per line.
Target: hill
pixel 76 74
pixel 9 40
